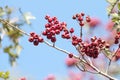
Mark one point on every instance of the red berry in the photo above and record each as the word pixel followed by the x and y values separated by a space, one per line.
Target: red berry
pixel 44 33
pixel 49 20
pixel 81 23
pixel 49 36
pixel 35 36
pixel 107 45
pixel 53 39
pixel 57 31
pixel 116 41
pixel 40 39
pixel 74 37
pixel 31 39
pixel 88 19
pixel 77 15
pixel 80 18
pixel 63 36
pixel 54 18
pixel 82 14
pixel 67 36
pixel 71 30
pixel 32 34
pixel 36 42
pixel 47 16
pixel 74 43
pixel 74 17
pixel 70 55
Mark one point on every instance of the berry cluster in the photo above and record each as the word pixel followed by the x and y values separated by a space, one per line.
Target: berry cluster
pixel 53 28
pixel 92 49
pixel 76 40
pixel 117 37
pixel 36 39
pixel 80 18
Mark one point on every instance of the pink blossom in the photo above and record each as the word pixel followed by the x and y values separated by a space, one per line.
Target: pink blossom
pixel 109 25
pixel 94 22
pixel 50 77
pixel 76 76
pixel 70 61
pixel 23 78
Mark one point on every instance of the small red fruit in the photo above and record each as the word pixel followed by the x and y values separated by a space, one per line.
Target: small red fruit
pixel 31 39
pixel 81 23
pixel 71 30
pixel 70 55
pixel 36 43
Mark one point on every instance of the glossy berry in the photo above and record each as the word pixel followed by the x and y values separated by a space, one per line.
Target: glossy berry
pixel 40 39
pixel 74 17
pixel 31 39
pixel 70 55
pixel 71 30
pixel 32 34
pixel 81 23
pixel 82 14
pixel 36 43
pixel 88 19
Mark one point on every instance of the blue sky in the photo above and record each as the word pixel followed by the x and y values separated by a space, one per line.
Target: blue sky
pixel 42 60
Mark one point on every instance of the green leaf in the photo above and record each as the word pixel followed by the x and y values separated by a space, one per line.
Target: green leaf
pixel 18 49
pixel 115 15
pixel 28 16
pixel 108 53
pixel 2 12
pixel 108 9
pixel 118 5
pixel 111 1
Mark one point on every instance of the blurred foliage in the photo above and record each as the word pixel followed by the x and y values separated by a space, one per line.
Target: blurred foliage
pixel 113 11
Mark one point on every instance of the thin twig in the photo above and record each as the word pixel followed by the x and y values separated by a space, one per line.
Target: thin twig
pixel 85 70
pixel 113 7
pixel 81 32
pixel 11 25
pixel 110 60
pixel 62 50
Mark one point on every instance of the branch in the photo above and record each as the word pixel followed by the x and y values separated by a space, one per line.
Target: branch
pixel 64 51
pixel 113 7
pixel 11 25
pixel 110 60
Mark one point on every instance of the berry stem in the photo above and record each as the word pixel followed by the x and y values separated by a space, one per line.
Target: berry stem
pixel 81 32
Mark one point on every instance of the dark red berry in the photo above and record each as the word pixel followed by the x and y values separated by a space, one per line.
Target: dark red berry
pixel 107 45
pixel 31 39
pixel 74 43
pixel 82 14
pixel 74 37
pixel 88 19
pixel 44 33
pixel 67 36
pixel 80 18
pixel 40 39
pixel 35 36
pixel 71 30
pixel 74 17
pixel 57 31
pixel 81 23
pixel 36 42
pixel 32 34
pixel 53 39
pixel 47 17
pixel 70 55
pixel 116 41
